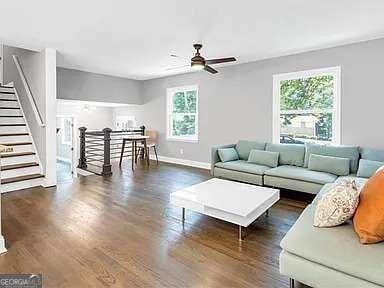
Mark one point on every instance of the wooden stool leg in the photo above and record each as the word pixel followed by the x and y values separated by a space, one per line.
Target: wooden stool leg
pixel 146 151
pixel 133 154
pixel 122 153
pixel 157 159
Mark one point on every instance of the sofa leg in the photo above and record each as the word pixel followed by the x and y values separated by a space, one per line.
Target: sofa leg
pixel 291 283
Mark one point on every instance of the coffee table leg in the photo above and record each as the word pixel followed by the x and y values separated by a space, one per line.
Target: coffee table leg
pixel 183 214
pixel 240 233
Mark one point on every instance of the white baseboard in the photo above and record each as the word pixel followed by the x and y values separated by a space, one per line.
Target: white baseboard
pixel 48 183
pixel 2 245
pixel 185 162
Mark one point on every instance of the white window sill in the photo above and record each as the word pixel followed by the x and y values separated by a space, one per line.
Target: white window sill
pixel 188 140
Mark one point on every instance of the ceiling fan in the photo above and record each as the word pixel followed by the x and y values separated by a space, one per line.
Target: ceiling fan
pixel 198 62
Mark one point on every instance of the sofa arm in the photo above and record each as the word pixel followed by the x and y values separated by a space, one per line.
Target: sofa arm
pixel 215 156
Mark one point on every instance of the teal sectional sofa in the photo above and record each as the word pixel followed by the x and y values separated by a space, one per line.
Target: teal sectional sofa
pixel 292 172
pixel 317 257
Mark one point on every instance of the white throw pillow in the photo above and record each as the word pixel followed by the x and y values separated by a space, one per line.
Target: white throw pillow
pixel 337 205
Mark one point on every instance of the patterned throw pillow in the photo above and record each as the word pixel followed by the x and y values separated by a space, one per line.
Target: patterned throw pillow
pixel 337 205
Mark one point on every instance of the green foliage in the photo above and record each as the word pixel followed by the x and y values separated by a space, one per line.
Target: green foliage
pixel 313 93
pixel 307 93
pixel 184 125
pixel 184 102
pixel 184 108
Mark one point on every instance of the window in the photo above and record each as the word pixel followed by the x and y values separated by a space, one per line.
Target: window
pixel 306 106
pixel 182 113
pixel 66 135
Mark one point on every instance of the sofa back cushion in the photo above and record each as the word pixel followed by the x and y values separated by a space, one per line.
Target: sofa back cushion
pixel 289 154
pixel 350 152
pixel 227 154
pixel 265 158
pixel 334 165
pixel 368 167
pixel 372 154
pixel 244 147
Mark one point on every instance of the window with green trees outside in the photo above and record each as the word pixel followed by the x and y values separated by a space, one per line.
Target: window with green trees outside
pixel 182 114
pixel 306 106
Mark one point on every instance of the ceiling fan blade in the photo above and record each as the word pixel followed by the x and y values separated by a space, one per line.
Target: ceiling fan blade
pixel 210 69
pixel 220 60
pixel 179 67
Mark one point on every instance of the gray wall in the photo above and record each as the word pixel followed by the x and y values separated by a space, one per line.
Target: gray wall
pixel 80 85
pixel 237 102
pixel 33 65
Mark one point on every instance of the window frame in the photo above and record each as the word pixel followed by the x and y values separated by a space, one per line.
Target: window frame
pixel 170 93
pixel 336 113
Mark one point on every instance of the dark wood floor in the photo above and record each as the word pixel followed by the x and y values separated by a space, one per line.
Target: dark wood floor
pixel 122 232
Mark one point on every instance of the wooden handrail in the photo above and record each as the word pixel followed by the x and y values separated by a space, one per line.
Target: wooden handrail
pixel 27 88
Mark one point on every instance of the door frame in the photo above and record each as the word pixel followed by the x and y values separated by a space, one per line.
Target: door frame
pixel 74 142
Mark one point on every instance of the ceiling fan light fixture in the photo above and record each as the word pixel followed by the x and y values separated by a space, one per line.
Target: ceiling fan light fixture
pixel 197 65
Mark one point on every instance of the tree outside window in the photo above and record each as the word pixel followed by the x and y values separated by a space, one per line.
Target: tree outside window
pixel 306 106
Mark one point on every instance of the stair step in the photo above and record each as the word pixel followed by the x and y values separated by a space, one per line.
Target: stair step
pixel 18 166
pixel 4 86
pixel 6 92
pixel 11 116
pixel 10 111
pixel 21 178
pixel 8 100
pixel 12 125
pixel 16 144
pixel 9 105
pixel 8 155
pixel 8 97
pixel 13 129
pixel 13 134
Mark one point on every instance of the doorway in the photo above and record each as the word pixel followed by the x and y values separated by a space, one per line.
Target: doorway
pixel 65 143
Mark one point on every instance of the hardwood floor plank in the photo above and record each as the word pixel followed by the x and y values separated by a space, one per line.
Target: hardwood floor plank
pixel 121 231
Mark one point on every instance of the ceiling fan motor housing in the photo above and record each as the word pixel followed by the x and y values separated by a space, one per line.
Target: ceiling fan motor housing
pixel 197 60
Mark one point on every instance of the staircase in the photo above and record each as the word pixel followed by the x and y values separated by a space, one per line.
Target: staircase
pixel 21 168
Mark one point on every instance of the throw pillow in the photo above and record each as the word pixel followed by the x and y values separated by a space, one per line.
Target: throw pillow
pixel 334 165
pixel 265 158
pixel 337 205
pixel 368 167
pixel 228 154
pixel 369 217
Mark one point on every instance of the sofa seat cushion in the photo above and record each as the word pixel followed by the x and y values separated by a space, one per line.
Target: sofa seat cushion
pixel 243 166
pixel 337 248
pixel 302 174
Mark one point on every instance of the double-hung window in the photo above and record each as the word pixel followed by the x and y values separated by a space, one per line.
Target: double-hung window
pixel 182 113
pixel 306 106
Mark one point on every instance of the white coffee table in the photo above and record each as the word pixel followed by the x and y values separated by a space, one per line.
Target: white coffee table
pixel 234 202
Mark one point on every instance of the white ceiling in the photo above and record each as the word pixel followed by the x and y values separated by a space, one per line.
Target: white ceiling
pixel 134 39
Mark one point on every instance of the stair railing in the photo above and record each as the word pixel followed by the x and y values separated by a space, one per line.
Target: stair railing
pixel 99 148
pixel 27 88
